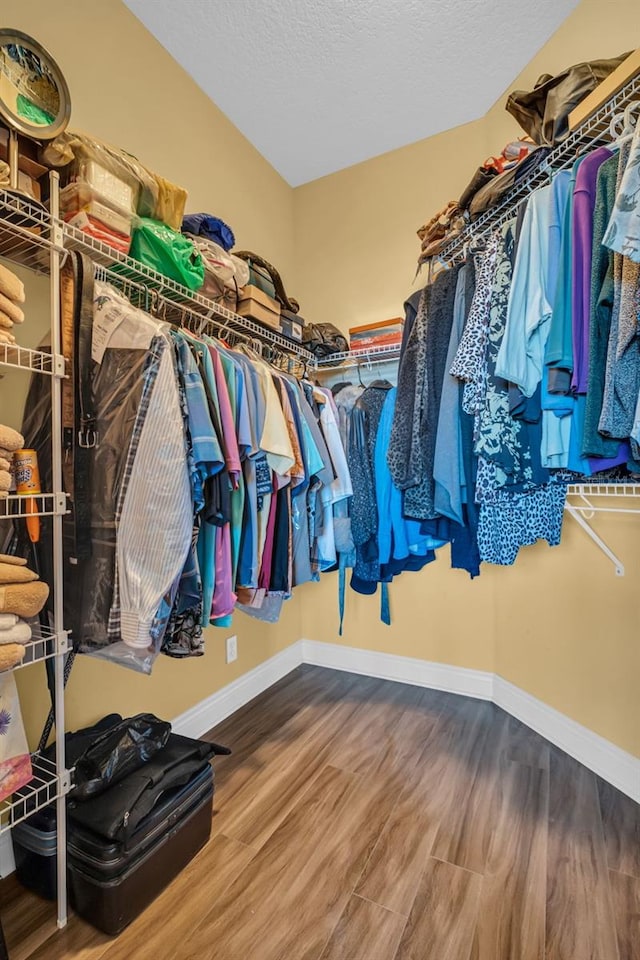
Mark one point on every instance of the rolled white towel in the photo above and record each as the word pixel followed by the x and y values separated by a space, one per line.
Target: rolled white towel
pixel 20 633
pixel 8 620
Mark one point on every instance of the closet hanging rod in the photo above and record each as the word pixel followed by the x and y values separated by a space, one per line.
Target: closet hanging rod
pixel 592 131
pixel 192 320
pixel 158 306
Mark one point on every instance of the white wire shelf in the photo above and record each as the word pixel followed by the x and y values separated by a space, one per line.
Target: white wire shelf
pixel 25 231
pixel 626 489
pixel 37 361
pixel 47 505
pixel 592 132
pixel 44 645
pixel 172 298
pixel 585 492
pixel 351 358
pixel 45 787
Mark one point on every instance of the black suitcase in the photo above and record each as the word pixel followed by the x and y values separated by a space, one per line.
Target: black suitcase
pixel 111 883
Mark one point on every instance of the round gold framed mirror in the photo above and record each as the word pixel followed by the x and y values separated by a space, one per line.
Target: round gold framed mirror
pixel 34 97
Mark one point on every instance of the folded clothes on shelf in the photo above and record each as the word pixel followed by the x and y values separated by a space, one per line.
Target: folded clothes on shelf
pixel 10 439
pixel 11 654
pixel 11 285
pixel 100 231
pixel 11 309
pixel 210 227
pixel 11 298
pixel 11 573
pixel 24 599
pixel 19 632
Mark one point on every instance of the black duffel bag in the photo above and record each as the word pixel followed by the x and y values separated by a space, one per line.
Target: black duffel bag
pixel 117 752
pixel 323 340
pixel 110 750
pixel 116 813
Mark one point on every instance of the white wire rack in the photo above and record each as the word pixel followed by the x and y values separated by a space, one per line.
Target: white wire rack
pixel 592 131
pixel 44 645
pixel 36 361
pixel 579 506
pixel 352 358
pixel 175 299
pixel 25 231
pixel 627 490
pixel 31 236
pixel 45 787
pixel 46 505
pixel 28 233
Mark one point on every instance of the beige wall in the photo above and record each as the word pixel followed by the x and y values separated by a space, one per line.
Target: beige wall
pixel 559 624
pixel 127 90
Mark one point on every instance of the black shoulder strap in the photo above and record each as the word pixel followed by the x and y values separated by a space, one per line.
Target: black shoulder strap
pixel 87 438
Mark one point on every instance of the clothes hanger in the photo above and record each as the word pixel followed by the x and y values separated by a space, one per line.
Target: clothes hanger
pixel 628 125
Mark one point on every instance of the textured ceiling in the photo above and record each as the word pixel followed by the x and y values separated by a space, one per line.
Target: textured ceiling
pixel 318 85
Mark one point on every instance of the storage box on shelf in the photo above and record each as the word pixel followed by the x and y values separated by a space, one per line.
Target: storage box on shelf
pixel 379 334
pixel 258 305
pixel 291 327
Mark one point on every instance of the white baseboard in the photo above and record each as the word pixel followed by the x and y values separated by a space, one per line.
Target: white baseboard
pixel 221 704
pixel 389 666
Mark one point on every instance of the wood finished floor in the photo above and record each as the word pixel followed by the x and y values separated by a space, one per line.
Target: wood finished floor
pixel 360 819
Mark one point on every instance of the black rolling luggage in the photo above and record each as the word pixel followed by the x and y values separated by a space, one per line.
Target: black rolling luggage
pixel 111 882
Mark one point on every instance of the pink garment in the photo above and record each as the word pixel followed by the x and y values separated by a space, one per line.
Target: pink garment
pixel 229 440
pixel 224 599
pixel 267 555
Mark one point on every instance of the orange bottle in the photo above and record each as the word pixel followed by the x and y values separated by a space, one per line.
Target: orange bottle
pixel 27 474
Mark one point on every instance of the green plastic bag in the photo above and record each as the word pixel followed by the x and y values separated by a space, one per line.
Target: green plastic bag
pixel 167 251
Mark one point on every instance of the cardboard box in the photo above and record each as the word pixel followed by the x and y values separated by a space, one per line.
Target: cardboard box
pixel 257 305
pixel 621 75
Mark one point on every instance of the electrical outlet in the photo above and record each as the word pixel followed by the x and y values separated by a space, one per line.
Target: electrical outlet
pixel 232 648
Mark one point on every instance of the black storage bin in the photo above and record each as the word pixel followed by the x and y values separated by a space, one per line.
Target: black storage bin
pixel 34 850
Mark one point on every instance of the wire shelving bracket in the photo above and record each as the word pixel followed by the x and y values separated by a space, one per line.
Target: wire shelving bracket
pixel 580 507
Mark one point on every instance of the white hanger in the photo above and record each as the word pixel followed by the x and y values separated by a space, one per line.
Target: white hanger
pixel 628 125
pixel 617 118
